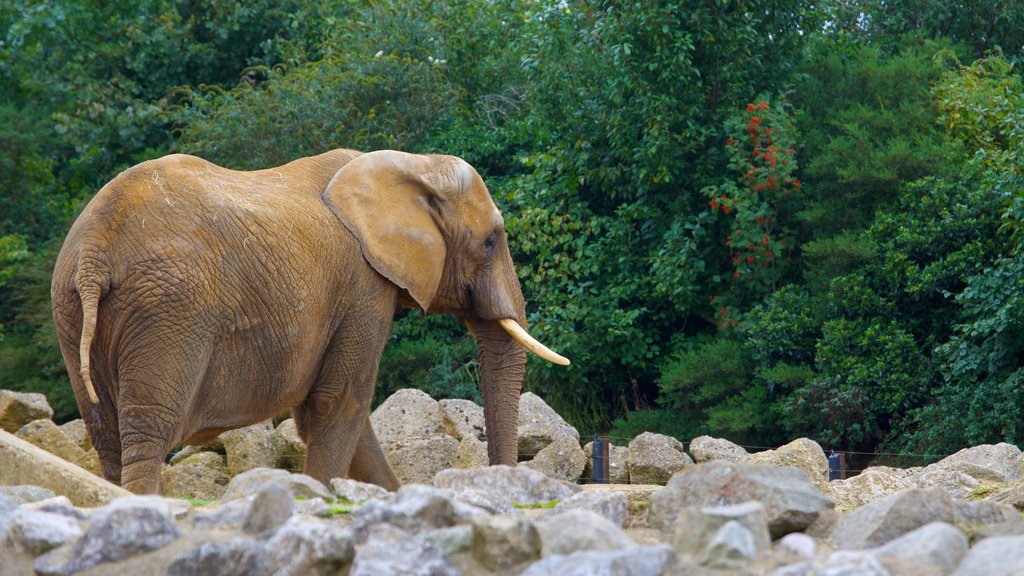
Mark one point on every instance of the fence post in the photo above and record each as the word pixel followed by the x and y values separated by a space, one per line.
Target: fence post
pixel 836 466
pixel 600 459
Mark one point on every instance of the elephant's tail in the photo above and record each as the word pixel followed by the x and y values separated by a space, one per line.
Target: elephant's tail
pixel 90 293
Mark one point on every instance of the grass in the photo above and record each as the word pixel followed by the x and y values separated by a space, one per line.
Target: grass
pixel 536 505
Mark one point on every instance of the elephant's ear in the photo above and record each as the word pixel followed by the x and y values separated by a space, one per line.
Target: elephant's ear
pixel 385 200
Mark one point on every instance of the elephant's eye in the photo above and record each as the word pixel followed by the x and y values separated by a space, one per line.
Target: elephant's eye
pixel 489 244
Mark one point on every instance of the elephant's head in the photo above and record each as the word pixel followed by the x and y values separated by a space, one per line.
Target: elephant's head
pixel 428 224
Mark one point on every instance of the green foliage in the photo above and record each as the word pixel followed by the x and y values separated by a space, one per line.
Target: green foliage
pixel 665 421
pixel 432 354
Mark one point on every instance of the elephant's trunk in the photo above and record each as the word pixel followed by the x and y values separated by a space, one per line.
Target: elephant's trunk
pixel 502 365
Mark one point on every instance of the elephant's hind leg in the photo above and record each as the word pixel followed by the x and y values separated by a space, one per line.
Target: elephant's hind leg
pixel 369 463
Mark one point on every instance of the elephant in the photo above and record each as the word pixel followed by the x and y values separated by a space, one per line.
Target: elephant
pixel 191 299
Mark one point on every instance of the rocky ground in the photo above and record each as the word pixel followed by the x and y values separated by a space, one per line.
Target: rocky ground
pixel 234 507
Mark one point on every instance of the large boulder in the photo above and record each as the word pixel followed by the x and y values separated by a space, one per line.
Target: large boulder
pixel 579 529
pixel 654 458
pixel 20 408
pixel 562 459
pixel 504 542
pixel 408 413
pixel 463 419
pixel 203 476
pixel 803 453
pixel 539 426
pixel 418 459
pixel 723 536
pixel 288 448
pixel 248 448
pixel 472 453
pixel 791 501
pixel 618 463
pixel 872 484
pixel 25 463
pixel 500 489
pixel 705 448
pixel 48 436
pixel 883 520
pixel 997 556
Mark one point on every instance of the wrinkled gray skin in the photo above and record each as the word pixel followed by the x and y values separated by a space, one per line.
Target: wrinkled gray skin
pixel 195 299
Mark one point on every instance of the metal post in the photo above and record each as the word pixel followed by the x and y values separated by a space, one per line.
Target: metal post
pixel 600 461
pixel 836 466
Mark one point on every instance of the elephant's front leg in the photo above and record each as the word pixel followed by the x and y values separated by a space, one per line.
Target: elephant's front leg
pixel 332 418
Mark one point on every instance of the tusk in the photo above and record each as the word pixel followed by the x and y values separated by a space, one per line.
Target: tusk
pixel 523 337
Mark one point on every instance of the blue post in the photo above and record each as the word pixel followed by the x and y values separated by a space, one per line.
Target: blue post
pixel 835 466
pixel 600 466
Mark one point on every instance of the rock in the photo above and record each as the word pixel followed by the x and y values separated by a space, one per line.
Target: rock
pixel 563 459
pixel 249 482
pixel 463 419
pixel 405 414
pixel 48 436
pixel 705 448
pixel 798 544
pixel 56 505
pixel 791 502
pixel 999 556
pixel 413 509
pixel 287 447
pixel 203 476
pixel 578 529
pixel 128 527
pixel 24 494
pixel 872 484
pixel 272 506
pixel 20 408
pixel 471 453
pixel 937 545
pixel 24 463
pixel 418 459
pixel 878 522
pixel 846 563
pixel 229 515
pixel 723 536
pixel 497 488
pixel 992 462
pixel 972 515
pixel 802 453
pixel 654 458
pixel 75 431
pixel 618 464
pixel 612 505
pixel 452 540
pixel 36 532
pixel 248 448
pixel 502 542
pixel 539 426
pixel 1012 495
pixel 355 491
pixel 634 561
pixel 393 551
pixel 236 557
pixel 305 545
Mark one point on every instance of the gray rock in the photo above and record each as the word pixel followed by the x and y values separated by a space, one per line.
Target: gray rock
pixel 705 448
pixel 203 476
pixel 711 534
pixel 612 505
pixel 502 542
pixel 463 419
pixel 405 414
pixel 579 529
pixel 1012 494
pixel 993 462
pixel 287 447
pixel 355 491
pixel 563 459
pixel 497 488
pixel 654 458
pixel 249 482
pixel 791 502
pixel 998 556
pixel 876 523
pixel 471 453
pixel 418 459
pixel 539 426
pixel 394 551
pixel 798 544
pixel 872 484
pixel 248 448
pixel 56 505
pixel 802 453
pixel 75 431
pixel 846 563
pixel 972 514
pixel 230 514
pixel 618 464
pixel 7 507
pixel 634 561
pixel 936 545
pixel 48 436
pixel 36 532
pixel 19 408
pixel 236 557
pixel 272 506
pixel 452 540
pixel 414 508
pixel 125 528
pixel 305 545
pixel 23 493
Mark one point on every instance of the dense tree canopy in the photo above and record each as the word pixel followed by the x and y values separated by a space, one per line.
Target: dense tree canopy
pixel 753 218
